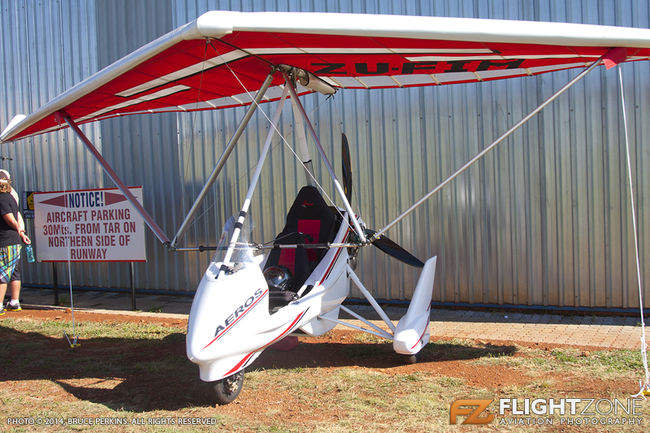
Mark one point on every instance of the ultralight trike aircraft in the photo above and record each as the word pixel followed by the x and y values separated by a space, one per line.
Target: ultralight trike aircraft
pixel 254 295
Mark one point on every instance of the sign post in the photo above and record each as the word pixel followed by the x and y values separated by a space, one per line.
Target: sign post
pixel 90 225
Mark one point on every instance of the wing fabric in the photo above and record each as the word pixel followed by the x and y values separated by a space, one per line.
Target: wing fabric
pixel 221 59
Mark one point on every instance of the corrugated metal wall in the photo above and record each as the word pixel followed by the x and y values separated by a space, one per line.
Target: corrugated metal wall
pixel 542 220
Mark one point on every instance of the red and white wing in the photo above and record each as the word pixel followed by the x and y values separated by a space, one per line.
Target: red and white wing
pixel 220 59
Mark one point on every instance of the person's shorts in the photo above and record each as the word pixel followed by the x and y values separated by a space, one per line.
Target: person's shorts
pixel 9 259
pixel 15 275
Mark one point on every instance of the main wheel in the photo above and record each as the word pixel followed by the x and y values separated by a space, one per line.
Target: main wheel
pixel 226 390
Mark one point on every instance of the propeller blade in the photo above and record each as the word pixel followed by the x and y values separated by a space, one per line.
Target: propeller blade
pixel 383 243
pixel 394 250
pixel 347 168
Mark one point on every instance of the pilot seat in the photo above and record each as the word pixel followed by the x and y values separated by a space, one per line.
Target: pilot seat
pixel 309 221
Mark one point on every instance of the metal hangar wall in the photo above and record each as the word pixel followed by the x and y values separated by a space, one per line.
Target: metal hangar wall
pixel 544 220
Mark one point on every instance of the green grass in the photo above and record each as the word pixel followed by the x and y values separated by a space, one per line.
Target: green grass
pixel 601 364
pixel 89 330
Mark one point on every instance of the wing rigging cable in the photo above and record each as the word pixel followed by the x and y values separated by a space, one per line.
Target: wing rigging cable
pixel 288 146
pixel 382 242
pixel 282 137
pixel 250 97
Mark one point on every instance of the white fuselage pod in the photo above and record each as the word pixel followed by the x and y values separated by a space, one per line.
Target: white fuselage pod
pixel 230 324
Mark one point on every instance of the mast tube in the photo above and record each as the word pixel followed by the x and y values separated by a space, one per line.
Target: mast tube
pixel 301 138
pixel 337 185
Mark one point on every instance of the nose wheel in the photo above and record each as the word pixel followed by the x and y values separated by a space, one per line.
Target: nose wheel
pixel 226 390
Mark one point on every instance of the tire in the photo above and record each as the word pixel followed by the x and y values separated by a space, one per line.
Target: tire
pixel 226 390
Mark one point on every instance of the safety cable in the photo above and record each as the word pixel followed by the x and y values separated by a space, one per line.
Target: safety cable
pixel 193 118
pixel 644 386
pixel 75 338
pixel 195 112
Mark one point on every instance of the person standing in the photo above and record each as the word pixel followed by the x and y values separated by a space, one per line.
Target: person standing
pixel 12 236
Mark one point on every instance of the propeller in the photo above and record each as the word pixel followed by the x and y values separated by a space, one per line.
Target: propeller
pixel 347 168
pixel 392 249
pixel 382 242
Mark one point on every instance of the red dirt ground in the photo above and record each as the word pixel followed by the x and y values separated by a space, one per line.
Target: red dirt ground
pixel 185 392
pixel 492 377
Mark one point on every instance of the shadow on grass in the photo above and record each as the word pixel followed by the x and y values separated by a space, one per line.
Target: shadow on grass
pixel 372 355
pixel 150 374
pixel 155 374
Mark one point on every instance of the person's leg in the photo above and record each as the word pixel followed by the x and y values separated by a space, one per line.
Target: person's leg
pixel 3 290
pixel 14 290
pixel 14 287
pixel 5 275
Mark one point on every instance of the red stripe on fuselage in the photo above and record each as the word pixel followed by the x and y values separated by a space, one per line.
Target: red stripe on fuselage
pixel 336 256
pixel 285 332
pixel 425 330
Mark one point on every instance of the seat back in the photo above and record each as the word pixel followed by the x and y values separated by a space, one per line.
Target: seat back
pixel 309 221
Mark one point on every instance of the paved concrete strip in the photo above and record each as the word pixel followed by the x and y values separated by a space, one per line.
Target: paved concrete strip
pixel 105 311
pixel 605 336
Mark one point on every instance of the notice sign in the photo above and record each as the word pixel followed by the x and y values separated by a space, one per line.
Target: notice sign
pixel 98 225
